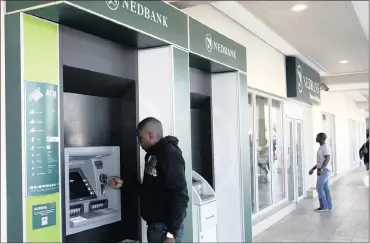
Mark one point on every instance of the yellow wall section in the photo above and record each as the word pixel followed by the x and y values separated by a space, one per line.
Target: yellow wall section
pixel 41 49
pixel 41 64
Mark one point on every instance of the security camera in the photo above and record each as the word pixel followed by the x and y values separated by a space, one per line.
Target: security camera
pixel 324 87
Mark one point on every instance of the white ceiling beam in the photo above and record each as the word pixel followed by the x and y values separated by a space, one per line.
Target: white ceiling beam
pixel 187 4
pixel 346 78
pixel 241 15
pixel 362 12
pixel 363 105
pixel 359 87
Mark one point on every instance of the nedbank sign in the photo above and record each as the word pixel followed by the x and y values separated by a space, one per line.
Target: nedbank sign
pixel 211 44
pixel 152 17
pixel 139 9
pixel 303 82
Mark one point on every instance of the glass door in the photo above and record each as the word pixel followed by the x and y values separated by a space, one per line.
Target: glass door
pixel 295 159
pixel 251 153
pixel 299 161
pixel 290 158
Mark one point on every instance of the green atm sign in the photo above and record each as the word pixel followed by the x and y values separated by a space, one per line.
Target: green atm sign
pixel 42 138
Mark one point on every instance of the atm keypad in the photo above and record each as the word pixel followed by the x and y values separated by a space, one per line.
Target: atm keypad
pixel 97 205
pixel 76 211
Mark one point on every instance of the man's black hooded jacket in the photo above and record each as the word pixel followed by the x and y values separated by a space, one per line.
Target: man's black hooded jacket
pixel 163 192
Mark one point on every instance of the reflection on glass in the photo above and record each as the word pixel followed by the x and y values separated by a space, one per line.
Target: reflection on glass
pixel 290 162
pixel 278 173
pixel 300 159
pixel 353 133
pixel 328 128
pixel 263 150
pixel 251 153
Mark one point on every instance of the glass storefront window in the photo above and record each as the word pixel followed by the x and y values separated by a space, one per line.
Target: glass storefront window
pixel 263 169
pixel 251 152
pixel 278 168
pixel 266 151
pixel 328 126
pixel 353 140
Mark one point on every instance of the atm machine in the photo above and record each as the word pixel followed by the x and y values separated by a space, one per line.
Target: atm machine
pixel 204 210
pixel 90 201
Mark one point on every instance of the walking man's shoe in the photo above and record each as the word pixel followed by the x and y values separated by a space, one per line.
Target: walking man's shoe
pixel 321 210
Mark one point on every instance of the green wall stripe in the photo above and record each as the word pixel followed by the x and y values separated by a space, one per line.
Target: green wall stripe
pixel 182 125
pixel 246 174
pixel 13 108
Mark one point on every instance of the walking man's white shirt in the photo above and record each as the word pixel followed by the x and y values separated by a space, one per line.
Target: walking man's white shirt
pixel 324 150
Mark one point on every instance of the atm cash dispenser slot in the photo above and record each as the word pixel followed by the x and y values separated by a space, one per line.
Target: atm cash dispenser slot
pixel 92 203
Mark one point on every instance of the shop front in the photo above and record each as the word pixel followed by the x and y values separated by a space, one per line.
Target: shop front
pixel 303 92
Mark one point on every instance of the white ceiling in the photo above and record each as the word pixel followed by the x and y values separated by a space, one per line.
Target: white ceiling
pixel 326 32
pixel 323 34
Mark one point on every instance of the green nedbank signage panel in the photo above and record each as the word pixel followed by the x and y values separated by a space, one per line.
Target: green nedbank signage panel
pixel 303 83
pixel 211 44
pixel 18 5
pixel 153 17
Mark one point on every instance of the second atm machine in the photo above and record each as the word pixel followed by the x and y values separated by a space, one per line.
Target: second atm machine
pixel 90 202
pixel 204 210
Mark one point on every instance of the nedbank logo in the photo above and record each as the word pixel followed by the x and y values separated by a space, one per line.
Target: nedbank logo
pixel 112 4
pixel 212 45
pixel 305 82
pixel 209 42
pixel 299 78
pixel 139 9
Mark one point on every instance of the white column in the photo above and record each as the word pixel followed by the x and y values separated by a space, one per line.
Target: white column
pixel 155 93
pixel 227 158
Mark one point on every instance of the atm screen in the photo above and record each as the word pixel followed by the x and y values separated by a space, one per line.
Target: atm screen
pixel 79 187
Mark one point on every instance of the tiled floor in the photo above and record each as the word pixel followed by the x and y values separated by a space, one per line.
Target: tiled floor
pixel 348 222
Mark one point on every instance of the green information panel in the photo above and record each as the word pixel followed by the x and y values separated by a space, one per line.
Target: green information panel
pixel 44 215
pixel 42 138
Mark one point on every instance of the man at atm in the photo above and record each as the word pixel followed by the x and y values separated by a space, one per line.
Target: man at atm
pixel 163 192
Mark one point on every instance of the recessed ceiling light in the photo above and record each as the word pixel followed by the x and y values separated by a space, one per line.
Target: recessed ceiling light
pixel 299 7
pixel 343 61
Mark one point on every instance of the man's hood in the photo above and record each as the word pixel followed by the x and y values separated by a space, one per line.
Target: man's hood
pixel 168 141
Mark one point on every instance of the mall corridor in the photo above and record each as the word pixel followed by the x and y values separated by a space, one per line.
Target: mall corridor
pixel 348 222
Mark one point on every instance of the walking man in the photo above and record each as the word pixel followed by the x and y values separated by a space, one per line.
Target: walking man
pixel 364 151
pixel 323 167
pixel 163 192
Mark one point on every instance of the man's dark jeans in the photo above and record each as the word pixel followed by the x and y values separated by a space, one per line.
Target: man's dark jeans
pixel 157 233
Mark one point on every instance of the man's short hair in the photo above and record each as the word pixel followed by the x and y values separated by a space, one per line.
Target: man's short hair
pixel 152 124
pixel 322 136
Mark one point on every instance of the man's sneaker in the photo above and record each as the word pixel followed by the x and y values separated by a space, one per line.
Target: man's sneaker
pixel 321 210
